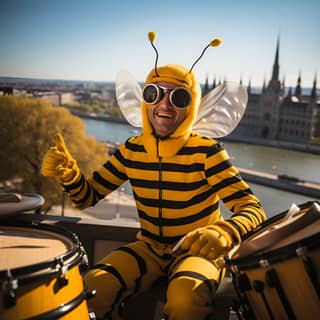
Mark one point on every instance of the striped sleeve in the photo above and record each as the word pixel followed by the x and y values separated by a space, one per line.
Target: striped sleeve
pixel 87 192
pixel 234 192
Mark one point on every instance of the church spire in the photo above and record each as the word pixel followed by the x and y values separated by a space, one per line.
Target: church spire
pixel 214 83
pixel 297 91
pixel 289 96
pixel 249 86
pixel 283 86
pixel 206 86
pixel 313 95
pixel 275 71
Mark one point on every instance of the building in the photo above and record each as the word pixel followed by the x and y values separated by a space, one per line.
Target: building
pixel 279 114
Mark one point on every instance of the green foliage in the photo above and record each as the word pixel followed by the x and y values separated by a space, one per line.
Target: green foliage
pixel 27 128
pixel 96 107
pixel 79 107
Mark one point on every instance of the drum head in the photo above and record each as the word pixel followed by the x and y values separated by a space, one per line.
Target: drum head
pixel 21 247
pixel 281 232
pixel 13 203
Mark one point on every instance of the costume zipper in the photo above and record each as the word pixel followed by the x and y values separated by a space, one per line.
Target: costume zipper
pixel 160 191
pixel 160 198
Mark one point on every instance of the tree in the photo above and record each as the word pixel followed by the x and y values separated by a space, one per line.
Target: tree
pixel 27 128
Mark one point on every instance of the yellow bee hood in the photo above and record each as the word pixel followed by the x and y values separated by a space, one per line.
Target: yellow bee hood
pixel 169 146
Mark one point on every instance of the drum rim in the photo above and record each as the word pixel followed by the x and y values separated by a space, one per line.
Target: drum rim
pixel 27 273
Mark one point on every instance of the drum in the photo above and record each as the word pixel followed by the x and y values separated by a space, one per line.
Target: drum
pixel 40 273
pixel 15 203
pixel 276 269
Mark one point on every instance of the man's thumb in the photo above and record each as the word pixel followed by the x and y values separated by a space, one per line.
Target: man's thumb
pixel 59 142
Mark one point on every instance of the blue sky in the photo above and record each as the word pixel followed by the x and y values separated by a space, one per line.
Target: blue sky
pixel 94 39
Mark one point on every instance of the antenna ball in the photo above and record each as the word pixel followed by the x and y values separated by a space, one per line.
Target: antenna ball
pixel 152 36
pixel 216 42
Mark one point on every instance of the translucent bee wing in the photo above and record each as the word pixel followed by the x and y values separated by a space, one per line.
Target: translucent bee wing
pixel 221 110
pixel 129 97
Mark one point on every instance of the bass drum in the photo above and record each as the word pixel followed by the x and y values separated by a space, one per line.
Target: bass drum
pixel 276 269
pixel 40 273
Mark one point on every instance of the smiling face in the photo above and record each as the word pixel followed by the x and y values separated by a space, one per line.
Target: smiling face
pixel 165 118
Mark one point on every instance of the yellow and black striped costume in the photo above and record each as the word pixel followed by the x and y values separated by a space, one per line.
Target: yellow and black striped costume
pixel 177 184
pixel 175 195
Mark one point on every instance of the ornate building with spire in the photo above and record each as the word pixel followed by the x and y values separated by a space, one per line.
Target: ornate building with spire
pixel 275 114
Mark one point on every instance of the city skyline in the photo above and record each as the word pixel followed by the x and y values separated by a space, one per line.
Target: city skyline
pixel 93 40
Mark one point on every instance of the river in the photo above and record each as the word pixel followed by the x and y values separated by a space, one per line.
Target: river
pixel 268 159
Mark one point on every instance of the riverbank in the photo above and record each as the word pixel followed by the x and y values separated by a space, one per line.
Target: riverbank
pixel 283 182
pixel 307 148
pixel 97 116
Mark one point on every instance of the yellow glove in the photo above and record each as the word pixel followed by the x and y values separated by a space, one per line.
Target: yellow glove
pixel 209 242
pixel 58 163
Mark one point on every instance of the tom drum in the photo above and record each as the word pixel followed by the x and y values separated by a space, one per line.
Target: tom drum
pixel 40 273
pixel 276 269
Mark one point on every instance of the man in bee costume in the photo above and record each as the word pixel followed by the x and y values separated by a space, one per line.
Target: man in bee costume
pixel 178 177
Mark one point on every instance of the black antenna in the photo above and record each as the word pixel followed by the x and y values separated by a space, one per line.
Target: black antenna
pixel 214 43
pixel 152 37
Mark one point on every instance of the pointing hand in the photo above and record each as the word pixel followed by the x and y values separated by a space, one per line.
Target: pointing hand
pixel 58 162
